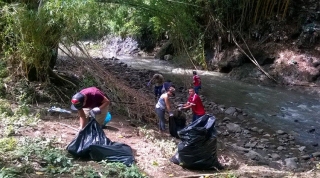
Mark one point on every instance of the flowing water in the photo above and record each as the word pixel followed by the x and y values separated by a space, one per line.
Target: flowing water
pixel 281 109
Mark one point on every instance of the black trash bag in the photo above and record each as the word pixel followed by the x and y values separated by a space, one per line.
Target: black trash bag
pixel 116 152
pixel 198 146
pixel 176 123
pixel 91 142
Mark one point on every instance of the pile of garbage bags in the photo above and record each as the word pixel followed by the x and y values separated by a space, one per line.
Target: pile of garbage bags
pixel 92 143
pixel 198 146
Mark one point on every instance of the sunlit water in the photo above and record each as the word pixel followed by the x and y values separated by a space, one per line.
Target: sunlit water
pixel 290 111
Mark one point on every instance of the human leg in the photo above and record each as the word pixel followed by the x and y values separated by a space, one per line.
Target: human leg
pixel 101 117
pixel 195 117
pixel 158 91
pixel 161 115
pixel 196 89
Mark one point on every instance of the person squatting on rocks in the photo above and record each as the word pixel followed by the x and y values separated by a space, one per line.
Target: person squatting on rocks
pixel 196 82
pixel 162 105
pixel 195 103
pixel 90 99
pixel 158 81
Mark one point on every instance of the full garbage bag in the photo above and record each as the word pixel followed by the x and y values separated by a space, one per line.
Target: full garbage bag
pixel 91 142
pixel 198 146
pixel 176 123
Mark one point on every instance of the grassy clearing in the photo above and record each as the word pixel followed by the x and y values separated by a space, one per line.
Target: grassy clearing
pixel 22 156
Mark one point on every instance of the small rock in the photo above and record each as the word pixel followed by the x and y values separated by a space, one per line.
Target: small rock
pixel 280 148
pixel 316 154
pixel 280 132
pixel 302 148
pixel 291 163
pixel 275 156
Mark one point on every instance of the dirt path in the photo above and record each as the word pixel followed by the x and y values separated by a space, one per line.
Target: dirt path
pixel 152 150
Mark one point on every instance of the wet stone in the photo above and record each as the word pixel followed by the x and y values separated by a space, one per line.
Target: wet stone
pixel 305 157
pixel 264 140
pixel 302 148
pixel 316 154
pixel 250 145
pixel 246 131
pixel 275 156
pixel 280 132
pixel 254 129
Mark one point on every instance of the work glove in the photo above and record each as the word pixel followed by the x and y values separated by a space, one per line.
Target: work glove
pixel 96 111
pixel 170 114
pixel 180 105
pixel 180 108
pixel 148 83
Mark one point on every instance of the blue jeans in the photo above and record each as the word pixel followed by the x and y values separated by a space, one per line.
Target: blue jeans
pixel 196 89
pixel 195 117
pixel 161 113
pixel 157 91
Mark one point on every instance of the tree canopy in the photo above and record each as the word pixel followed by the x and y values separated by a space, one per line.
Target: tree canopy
pixel 32 30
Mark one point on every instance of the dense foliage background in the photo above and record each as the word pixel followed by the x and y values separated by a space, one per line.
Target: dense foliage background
pixel 32 30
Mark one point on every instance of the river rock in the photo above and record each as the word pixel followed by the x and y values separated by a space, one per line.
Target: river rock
pixel 233 127
pixel 302 148
pixel 275 156
pixel 291 163
pixel 230 111
pixel 305 157
pixel 254 129
pixel 250 144
pixel 280 148
pixel 316 154
pixel 280 132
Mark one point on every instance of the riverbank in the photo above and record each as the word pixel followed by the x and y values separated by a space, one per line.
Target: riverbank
pixel 239 133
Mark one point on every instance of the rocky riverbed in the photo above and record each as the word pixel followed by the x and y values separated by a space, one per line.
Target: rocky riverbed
pixel 256 143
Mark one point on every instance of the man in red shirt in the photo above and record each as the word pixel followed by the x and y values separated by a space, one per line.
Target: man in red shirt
pixel 195 103
pixel 196 82
pixel 90 99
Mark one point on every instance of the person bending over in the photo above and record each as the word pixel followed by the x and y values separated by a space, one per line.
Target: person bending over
pixel 195 103
pixel 158 81
pixel 90 99
pixel 162 105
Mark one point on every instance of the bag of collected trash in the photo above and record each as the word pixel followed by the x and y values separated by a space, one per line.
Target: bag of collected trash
pixel 91 142
pixel 198 146
pixel 176 123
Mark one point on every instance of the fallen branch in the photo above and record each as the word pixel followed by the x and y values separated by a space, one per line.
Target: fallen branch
pixel 252 59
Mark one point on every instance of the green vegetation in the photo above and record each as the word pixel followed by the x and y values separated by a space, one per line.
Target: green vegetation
pixel 30 43
pixel 46 156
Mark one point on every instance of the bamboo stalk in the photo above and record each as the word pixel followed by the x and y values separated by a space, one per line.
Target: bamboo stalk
pixel 286 9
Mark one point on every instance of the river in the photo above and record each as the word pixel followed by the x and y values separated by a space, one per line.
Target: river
pixel 281 109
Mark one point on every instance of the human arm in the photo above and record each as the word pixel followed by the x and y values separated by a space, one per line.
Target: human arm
pixel 105 103
pixel 166 100
pixel 151 80
pixel 187 105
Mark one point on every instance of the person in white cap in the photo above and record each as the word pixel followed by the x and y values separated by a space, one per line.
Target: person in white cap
pixel 90 99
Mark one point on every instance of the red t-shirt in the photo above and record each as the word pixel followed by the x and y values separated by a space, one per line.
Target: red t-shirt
pixel 196 80
pixel 197 106
pixel 94 97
